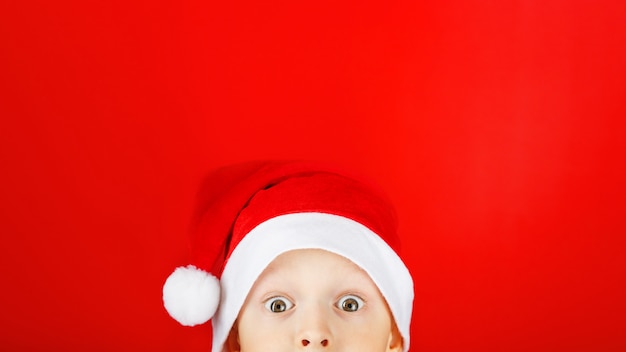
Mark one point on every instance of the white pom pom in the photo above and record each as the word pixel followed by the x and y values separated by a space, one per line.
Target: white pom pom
pixel 191 295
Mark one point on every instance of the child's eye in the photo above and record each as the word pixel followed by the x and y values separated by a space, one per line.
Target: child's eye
pixel 350 303
pixel 278 304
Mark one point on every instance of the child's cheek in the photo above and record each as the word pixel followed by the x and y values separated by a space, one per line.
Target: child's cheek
pixel 257 327
pixel 267 334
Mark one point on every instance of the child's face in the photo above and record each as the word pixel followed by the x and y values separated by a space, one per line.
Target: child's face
pixel 314 300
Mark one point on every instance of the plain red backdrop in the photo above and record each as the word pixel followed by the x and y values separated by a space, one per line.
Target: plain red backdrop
pixel 495 126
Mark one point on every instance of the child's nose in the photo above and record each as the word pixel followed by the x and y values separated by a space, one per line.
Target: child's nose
pixel 322 343
pixel 314 331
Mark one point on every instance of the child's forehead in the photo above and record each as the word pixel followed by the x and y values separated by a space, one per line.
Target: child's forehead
pixel 314 262
pixel 314 256
pixel 314 273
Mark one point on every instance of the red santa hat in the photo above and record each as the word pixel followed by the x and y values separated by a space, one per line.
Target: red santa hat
pixel 255 212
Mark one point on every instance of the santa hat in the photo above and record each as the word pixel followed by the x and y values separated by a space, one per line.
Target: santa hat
pixel 255 212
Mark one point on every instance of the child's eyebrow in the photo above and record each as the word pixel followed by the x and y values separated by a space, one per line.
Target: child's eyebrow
pixel 270 280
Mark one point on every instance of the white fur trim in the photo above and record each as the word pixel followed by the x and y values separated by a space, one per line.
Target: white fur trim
pixel 191 295
pixel 333 233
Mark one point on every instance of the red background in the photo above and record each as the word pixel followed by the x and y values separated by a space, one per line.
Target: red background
pixel 495 126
